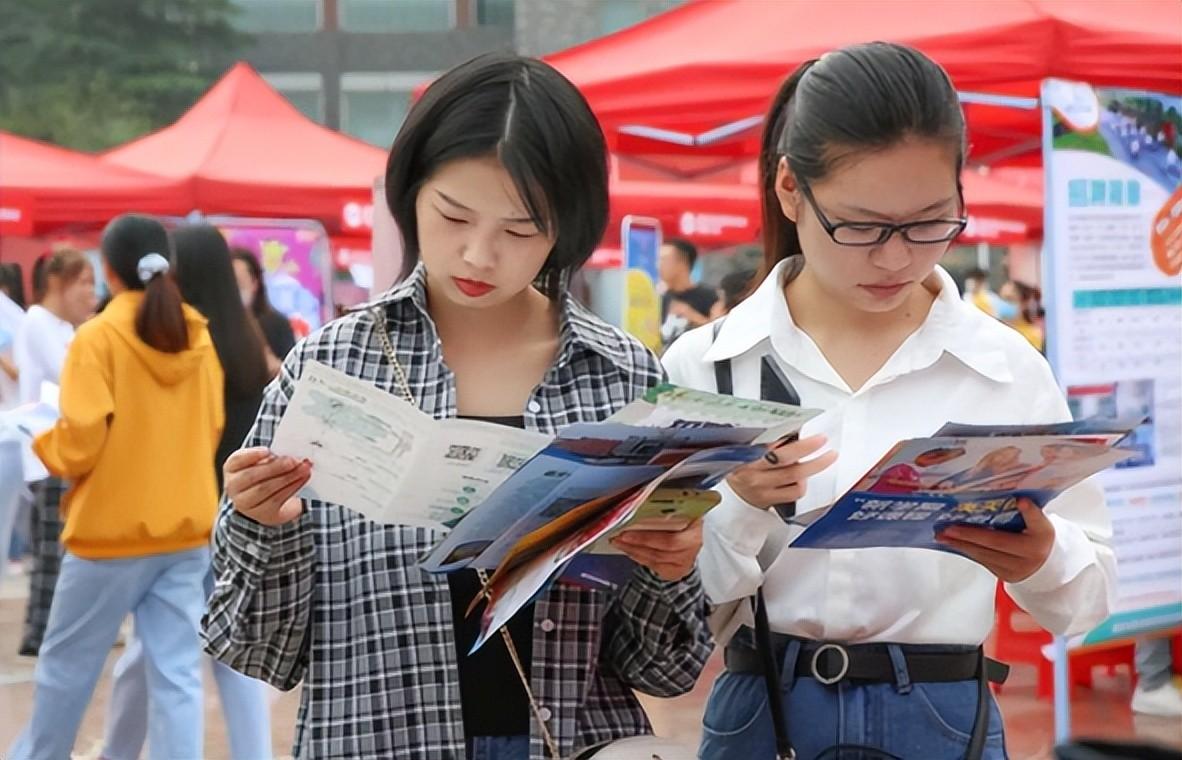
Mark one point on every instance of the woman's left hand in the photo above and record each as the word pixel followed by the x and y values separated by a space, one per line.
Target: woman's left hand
pixel 1012 557
pixel 669 554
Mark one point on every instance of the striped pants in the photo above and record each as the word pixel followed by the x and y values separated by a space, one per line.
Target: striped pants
pixel 46 548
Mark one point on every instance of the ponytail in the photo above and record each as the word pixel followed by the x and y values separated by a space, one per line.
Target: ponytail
pixel 160 320
pixel 136 249
pixel 780 240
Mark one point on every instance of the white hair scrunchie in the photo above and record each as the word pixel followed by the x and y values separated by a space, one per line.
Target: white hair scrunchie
pixel 151 266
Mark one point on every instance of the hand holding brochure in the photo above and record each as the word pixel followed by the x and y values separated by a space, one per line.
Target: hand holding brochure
pixel 967 475
pixel 377 455
pixel 649 467
pixel 28 421
pixel 522 503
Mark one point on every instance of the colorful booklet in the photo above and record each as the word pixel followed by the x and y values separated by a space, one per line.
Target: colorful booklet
pixel 966 475
pixel 650 467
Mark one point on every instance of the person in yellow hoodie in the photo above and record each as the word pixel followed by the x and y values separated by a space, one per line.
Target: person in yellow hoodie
pixel 141 417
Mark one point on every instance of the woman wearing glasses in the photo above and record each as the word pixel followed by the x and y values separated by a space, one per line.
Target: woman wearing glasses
pixel 878 648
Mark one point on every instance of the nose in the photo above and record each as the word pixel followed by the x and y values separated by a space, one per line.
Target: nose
pixel 894 255
pixel 480 251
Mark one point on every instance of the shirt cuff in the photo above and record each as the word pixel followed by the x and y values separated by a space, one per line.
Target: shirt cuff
pixel 744 527
pixel 1071 553
pixel 247 544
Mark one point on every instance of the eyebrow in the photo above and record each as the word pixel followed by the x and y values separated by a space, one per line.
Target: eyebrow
pixel 512 220
pixel 885 217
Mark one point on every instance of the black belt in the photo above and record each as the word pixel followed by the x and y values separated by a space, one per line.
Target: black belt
pixel 870 663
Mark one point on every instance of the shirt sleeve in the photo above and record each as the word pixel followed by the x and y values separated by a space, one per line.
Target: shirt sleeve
pixel 258 617
pixel 72 447
pixel 655 634
pixel 1074 590
pixel 734 531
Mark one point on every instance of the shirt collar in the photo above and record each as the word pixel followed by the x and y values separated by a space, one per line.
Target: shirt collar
pixel 578 327
pixel 952 327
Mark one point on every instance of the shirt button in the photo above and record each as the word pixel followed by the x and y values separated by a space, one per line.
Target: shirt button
pixel 534 406
pixel 544 714
pixel 548 625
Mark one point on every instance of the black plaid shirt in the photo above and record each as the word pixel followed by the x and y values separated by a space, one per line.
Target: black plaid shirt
pixel 341 603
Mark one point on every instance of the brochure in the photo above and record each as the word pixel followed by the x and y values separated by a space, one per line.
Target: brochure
pixel 968 475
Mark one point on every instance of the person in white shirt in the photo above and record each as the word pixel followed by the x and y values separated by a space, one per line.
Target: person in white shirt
pixel 11 317
pixel 40 350
pixel 879 648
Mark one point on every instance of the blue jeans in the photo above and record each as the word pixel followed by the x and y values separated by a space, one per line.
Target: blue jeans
pixel 498 748
pixel 245 706
pixel 164 591
pixel 1155 663
pixel 932 721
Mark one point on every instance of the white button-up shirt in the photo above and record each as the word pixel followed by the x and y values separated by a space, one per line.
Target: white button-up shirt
pixel 959 366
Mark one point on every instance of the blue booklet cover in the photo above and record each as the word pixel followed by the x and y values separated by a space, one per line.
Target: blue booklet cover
pixel 968 475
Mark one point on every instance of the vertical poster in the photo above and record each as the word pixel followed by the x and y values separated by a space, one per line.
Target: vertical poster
pixel 1114 277
pixel 642 307
pixel 295 261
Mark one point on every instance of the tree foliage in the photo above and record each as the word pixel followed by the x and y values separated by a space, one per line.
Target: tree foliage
pixel 90 74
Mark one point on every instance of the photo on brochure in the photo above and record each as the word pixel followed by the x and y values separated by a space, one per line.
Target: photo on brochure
pixel 975 476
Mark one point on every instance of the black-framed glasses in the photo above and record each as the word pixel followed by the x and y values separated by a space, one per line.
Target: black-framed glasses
pixel 923 232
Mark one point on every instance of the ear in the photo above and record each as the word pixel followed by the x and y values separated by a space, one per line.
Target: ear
pixel 787 191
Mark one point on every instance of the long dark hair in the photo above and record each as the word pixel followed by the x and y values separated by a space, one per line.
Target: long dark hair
pixel 863 97
pixel 160 319
pixel 12 282
pixel 537 124
pixel 206 278
pixel 259 303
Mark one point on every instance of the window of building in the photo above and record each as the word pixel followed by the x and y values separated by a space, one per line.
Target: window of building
pixel 305 91
pixel 374 105
pixel 614 15
pixel 279 16
pixel 397 15
pixel 495 13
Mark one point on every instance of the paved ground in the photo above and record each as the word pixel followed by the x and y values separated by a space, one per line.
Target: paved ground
pixel 1102 712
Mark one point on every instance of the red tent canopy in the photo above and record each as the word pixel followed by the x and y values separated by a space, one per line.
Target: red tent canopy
pixel 706 69
pixel 43 187
pixel 1004 205
pixel 245 150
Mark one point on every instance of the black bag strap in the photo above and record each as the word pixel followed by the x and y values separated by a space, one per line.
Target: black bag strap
pixel 772 383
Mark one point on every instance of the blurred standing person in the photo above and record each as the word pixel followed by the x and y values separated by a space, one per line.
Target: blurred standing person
pixel 684 305
pixel 978 293
pixel 1156 693
pixel 1022 311
pixel 12 313
pixel 206 279
pixel 141 404
pixel 731 290
pixel 253 290
pixel 67 300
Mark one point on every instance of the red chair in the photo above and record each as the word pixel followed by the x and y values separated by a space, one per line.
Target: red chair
pixel 1024 645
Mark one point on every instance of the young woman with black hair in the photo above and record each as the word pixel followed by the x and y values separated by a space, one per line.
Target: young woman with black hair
pixel 498 182
pixel 205 275
pixel 876 648
pixel 141 416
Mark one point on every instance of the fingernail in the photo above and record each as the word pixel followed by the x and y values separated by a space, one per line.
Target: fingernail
pixel 771 457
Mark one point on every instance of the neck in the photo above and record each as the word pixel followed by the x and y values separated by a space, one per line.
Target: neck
pixel 53 304
pixel 682 283
pixel 526 317
pixel 825 317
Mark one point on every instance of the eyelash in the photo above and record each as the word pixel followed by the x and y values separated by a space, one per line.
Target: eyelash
pixel 517 235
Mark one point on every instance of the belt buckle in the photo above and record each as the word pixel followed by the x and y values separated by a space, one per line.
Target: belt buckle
pixel 845 665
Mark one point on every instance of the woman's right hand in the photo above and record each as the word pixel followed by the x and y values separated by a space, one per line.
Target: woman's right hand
pixel 263 486
pixel 780 477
